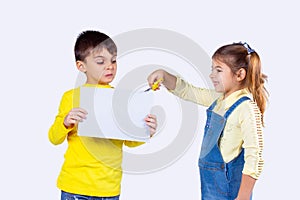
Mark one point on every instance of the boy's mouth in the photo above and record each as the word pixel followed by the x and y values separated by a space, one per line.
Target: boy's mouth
pixel 108 75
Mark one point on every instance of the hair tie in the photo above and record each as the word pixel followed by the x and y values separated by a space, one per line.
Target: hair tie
pixel 247 46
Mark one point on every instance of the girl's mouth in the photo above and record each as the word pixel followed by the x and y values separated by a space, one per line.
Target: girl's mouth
pixel 215 83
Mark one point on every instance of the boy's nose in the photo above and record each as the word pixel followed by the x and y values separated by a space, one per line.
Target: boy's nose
pixel 110 66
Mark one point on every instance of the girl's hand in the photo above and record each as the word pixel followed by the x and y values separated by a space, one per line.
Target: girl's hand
pixel 156 76
pixel 168 80
pixel 74 116
pixel 151 123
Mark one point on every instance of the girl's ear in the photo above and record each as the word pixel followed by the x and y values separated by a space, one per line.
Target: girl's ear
pixel 80 66
pixel 241 74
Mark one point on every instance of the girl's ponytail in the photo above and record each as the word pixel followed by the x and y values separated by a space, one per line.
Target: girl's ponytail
pixel 255 81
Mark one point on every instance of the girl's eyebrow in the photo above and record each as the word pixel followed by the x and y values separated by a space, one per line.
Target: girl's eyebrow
pixel 219 67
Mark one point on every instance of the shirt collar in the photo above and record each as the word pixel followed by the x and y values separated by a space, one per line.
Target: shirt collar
pixel 97 85
pixel 233 97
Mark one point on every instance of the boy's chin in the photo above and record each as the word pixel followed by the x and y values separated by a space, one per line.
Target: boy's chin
pixel 105 82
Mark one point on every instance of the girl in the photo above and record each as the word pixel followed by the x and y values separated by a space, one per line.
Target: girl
pixel 231 154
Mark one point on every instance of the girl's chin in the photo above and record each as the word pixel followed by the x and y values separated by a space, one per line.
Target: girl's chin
pixel 218 90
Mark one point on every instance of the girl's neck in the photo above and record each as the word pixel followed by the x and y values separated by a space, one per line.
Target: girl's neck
pixel 226 94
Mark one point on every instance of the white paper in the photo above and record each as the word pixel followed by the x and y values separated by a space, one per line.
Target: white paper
pixel 115 114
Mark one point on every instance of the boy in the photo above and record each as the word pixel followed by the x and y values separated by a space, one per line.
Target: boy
pixel 92 166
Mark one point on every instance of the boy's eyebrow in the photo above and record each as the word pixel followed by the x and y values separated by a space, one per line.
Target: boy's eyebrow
pixel 113 57
pixel 99 57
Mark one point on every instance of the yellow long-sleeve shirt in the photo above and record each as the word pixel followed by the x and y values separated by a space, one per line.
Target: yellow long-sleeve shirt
pixel 243 128
pixel 92 166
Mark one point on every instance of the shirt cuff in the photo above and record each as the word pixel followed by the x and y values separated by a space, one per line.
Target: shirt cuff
pixel 180 85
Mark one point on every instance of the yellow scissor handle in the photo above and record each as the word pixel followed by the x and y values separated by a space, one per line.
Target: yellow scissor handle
pixel 156 84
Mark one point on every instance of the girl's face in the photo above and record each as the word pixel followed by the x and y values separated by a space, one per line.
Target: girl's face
pixel 223 79
pixel 99 66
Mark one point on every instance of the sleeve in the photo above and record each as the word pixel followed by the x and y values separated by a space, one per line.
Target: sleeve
pixel 251 127
pixel 58 132
pixel 187 91
pixel 133 143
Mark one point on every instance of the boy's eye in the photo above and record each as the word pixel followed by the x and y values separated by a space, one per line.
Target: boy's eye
pixel 113 61
pixel 100 62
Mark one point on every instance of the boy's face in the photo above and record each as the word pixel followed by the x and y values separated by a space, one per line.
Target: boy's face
pixel 99 66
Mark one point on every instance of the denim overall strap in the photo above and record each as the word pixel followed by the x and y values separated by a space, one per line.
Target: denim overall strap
pixel 219 180
pixel 238 102
pixel 213 129
pixel 212 106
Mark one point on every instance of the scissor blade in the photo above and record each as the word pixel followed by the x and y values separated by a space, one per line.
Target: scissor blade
pixel 147 90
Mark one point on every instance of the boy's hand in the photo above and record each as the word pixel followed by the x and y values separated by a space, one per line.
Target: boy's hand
pixel 74 116
pixel 151 123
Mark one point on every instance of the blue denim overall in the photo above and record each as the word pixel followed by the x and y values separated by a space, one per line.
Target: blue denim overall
pixel 219 180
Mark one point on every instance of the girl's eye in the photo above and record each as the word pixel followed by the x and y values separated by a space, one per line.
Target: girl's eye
pixel 113 61
pixel 216 70
pixel 100 62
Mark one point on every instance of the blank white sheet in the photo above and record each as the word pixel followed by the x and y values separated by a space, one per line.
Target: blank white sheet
pixel 115 114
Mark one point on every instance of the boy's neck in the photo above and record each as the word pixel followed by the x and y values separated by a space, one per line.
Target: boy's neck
pixel 98 85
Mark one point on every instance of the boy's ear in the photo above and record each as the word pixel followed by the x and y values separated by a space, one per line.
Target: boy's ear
pixel 241 74
pixel 80 66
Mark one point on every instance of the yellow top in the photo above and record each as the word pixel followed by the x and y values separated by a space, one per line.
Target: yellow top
pixel 92 166
pixel 243 128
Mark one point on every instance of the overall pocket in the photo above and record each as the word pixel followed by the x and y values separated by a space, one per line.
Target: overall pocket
pixel 214 179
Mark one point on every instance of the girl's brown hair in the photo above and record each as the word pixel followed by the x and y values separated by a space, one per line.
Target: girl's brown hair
pixel 241 55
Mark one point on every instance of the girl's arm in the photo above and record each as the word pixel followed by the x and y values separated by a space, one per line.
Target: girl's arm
pixel 183 89
pixel 251 127
pixel 246 188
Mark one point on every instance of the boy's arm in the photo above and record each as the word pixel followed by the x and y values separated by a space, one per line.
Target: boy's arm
pixel 58 132
pixel 133 143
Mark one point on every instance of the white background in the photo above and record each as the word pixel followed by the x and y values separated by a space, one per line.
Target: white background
pixel 37 66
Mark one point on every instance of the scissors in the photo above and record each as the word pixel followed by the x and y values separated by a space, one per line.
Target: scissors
pixel 155 85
